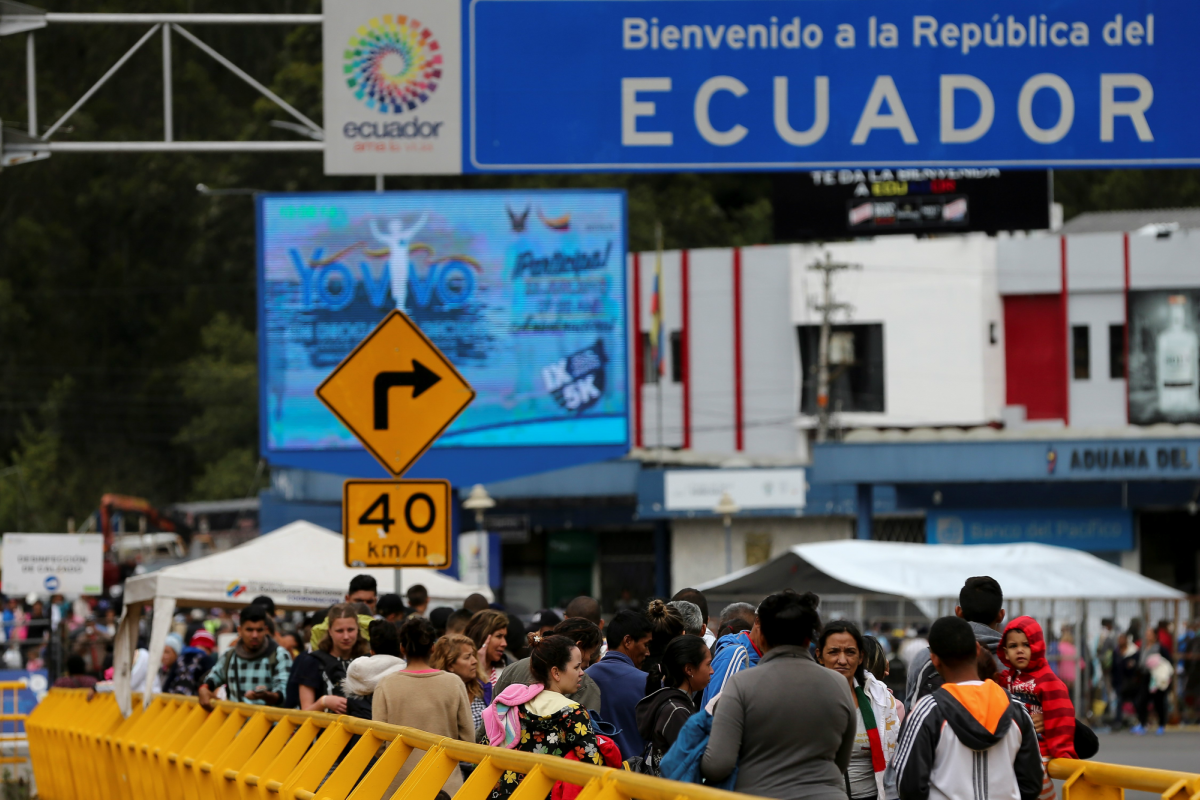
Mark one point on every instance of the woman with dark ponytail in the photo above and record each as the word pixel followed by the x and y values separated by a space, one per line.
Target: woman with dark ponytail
pixel 540 718
pixel 665 625
pixel 686 665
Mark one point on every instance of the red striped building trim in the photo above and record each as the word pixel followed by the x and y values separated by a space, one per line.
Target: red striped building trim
pixel 1066 313
pixel 738 402
pixel 1126 309
pixel 685 368
pixel 636 344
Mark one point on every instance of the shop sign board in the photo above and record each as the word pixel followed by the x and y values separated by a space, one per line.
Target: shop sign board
pixel 701 489
pixel 1093 529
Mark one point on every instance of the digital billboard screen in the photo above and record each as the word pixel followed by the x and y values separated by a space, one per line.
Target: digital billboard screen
pixel 524 291
pixel 845 203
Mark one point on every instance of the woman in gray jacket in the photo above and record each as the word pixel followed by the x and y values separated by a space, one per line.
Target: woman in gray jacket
pixel 788 724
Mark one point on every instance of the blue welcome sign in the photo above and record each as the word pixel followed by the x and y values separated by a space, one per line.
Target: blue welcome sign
pixel 596 85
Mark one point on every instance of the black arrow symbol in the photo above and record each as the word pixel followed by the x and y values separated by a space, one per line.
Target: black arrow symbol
pixel 420 379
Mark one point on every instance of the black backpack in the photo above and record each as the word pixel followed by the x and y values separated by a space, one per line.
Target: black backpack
pixel 333 672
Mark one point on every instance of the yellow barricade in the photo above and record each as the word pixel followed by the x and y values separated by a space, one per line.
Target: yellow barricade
pixel 83 749
pixel 10 740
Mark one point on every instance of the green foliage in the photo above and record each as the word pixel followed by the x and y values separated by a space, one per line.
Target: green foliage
pixel 1119 189
pixel 222 383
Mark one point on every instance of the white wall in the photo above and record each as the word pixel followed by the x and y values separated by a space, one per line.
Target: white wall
pixel 698 545
pixel 1029 265
pixel 770 353
pixel 935 298
pixel 1099 401
pixel 1172 263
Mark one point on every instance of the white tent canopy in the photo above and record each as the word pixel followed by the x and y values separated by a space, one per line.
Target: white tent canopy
pixel 923 573
pixel 299 566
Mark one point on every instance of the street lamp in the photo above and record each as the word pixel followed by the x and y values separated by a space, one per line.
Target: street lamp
pixel 479 501
pixel 727 508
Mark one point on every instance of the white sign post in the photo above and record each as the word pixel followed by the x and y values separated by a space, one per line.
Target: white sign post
pixel 53 563
pixel 393 88
pixel 473 557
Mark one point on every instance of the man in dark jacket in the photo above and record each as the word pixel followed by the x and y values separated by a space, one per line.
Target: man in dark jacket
pixel 967 738
pixel 622 683
pixel 980 603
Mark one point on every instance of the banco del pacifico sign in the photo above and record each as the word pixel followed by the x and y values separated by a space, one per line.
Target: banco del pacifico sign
pixel 595 85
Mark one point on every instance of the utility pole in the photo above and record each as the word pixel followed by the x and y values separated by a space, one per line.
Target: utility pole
pixel 827 307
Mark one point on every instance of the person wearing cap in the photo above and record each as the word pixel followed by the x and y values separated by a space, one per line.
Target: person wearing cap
pixel 204 640
pixel 184 667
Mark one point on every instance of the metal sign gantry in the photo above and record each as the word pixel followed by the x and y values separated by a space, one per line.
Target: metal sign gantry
pixel 32 144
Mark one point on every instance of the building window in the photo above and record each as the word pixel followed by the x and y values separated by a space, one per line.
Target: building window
pixel 677 356
pixel 856 367
pixel 649 374
pixel 1116 352
pixel 1082 352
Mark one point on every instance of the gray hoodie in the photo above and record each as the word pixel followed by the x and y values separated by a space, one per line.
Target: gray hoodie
pixel 920 670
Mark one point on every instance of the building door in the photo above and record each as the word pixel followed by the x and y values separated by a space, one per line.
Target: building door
pixel 570 557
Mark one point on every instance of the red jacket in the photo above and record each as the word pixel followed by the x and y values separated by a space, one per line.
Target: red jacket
pixel 1040 690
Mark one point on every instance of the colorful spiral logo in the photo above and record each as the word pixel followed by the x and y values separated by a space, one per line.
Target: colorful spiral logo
pixel 393 65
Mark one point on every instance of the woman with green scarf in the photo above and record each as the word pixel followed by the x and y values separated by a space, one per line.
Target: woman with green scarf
pixel 842 649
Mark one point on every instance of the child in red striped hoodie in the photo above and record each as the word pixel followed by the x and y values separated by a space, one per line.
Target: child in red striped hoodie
pixel 1029 679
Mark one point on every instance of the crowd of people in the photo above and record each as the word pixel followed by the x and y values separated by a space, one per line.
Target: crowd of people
pixel 767 699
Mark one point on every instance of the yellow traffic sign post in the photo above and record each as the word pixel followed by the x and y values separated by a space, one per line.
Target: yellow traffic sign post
pixel 397 393
pixel 396 523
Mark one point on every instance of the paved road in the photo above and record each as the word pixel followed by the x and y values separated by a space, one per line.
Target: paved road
pixel 1178 751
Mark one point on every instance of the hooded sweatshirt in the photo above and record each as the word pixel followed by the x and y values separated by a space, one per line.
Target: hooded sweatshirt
pixel 660 716
pixel 362 676
pixel 968 740
pixel 923 678
pixel 733 653
pixel 1041 691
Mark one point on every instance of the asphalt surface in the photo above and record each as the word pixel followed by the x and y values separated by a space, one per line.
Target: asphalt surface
pixel 1173 750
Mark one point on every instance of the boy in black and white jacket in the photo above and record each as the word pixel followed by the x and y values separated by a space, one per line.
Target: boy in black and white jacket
pixel 968 740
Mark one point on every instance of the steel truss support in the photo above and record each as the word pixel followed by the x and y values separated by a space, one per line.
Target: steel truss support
pixel 18 146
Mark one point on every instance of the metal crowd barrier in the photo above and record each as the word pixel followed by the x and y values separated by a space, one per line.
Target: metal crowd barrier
pixel 11 716
pixel 83 749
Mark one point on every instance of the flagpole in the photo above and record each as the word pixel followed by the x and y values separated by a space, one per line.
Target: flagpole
pixel 658 376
